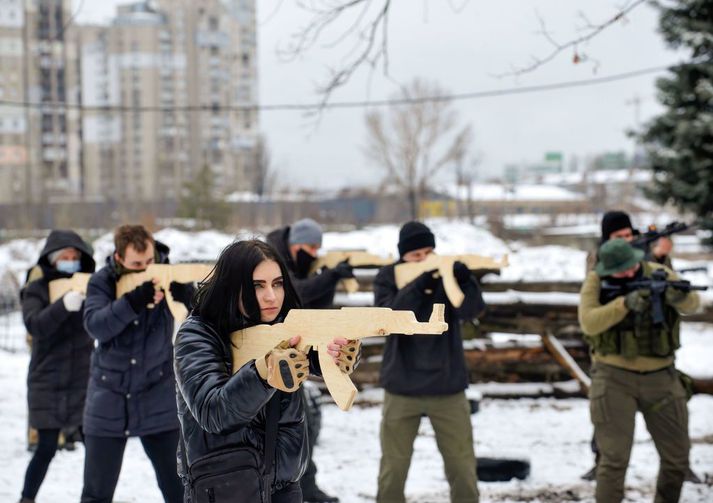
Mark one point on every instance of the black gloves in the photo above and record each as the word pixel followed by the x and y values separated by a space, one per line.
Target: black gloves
pixel 141 296
pixel 461 272
pixel 182 292
pixel 343 270
pixel 426 281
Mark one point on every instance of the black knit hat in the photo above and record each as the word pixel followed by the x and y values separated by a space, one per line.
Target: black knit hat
pixel 613 221
pixel 413 236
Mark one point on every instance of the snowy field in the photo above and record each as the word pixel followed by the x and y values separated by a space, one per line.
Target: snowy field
pixel 552 434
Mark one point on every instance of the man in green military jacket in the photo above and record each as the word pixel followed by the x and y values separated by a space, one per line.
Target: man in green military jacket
pixel 633 370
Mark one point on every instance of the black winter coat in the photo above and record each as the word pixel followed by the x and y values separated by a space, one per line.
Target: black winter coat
pixel 219 409
pixel 59 365
pixel 425 364
pixel 316 291
pixel 131 385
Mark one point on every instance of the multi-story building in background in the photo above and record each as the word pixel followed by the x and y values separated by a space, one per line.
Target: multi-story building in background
pixel 40 147
pixel 167 89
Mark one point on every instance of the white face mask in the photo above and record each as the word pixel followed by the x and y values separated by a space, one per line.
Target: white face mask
pixel 68 266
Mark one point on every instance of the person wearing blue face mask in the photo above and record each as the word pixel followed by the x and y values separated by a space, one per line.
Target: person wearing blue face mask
pixel 61 348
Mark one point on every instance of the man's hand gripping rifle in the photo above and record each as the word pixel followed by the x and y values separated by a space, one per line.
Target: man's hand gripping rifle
pixel 657 285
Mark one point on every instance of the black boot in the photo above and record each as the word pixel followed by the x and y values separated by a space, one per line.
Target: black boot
pixel 316 495
pixel 591 474
pixel 692 477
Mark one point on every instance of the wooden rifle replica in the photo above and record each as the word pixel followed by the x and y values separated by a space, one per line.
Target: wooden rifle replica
pixel 356 259
pixel 165 274
pixel 319 327
pixel 77 283
pixel 406 272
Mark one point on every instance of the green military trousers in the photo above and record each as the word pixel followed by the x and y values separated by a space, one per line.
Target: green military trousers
pixel 615 397
pixel 450 418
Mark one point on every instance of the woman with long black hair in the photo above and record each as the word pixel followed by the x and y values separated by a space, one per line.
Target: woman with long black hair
pixel 244 433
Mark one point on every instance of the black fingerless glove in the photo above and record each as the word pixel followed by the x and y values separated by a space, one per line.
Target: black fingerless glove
pixel 141 296
pixel 344 270
pixel 182 292
pixel 461 272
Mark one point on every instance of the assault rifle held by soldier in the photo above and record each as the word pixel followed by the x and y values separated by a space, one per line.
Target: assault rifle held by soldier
pixel 657 285
pixel 653 234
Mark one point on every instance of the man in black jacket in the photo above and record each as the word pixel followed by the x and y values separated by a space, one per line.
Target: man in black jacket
pixel 426 374
pixel 298 245
pixel 131 389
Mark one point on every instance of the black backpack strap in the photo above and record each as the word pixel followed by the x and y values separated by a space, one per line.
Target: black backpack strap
pixel 272 418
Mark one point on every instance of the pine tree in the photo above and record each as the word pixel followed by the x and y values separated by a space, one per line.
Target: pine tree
pixel 200 202
pixel 680 141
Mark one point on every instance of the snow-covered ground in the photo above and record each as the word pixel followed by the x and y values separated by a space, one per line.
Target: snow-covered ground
pixel 540 263
pixel 552 434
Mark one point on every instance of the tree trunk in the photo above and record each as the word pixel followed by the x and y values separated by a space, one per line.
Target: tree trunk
pixel 413 203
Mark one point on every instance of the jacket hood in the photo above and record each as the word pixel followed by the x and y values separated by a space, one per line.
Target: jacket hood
pixel 59 239
pixel 278 240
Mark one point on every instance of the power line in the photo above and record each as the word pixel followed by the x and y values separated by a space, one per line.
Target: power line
pixel 346 104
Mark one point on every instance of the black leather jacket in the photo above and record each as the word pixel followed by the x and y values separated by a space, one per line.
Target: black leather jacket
pixel 218 409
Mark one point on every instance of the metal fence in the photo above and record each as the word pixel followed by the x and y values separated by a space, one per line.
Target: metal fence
pixel 12 330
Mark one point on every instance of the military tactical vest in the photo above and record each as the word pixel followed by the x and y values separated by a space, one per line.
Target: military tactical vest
pixel 636 335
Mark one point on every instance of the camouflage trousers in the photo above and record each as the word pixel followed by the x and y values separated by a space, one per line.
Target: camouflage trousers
pixel 615 397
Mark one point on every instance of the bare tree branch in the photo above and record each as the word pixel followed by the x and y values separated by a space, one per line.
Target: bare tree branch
pixel 370 47
pixel 590 32
pixel 421 141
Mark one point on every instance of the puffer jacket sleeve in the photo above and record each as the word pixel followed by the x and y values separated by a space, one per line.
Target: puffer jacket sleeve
pixel 42 319
pixel 104 316
pixel 218 401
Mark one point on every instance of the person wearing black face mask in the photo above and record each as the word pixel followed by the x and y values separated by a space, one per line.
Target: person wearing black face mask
pixel 298 245
pixel 59 365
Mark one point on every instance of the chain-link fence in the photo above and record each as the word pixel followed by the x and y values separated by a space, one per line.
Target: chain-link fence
pixel 12 330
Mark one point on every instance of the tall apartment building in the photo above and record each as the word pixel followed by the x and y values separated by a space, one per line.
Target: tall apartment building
pixel 39 141
pixel 162 88
pixel 146 102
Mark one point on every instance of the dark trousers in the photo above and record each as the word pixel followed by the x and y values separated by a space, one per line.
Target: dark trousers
pixel 289 494
pixel 104 456
pixel 40 462
pixel 313 416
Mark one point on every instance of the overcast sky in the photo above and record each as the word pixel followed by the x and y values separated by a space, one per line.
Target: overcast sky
pixel 462 50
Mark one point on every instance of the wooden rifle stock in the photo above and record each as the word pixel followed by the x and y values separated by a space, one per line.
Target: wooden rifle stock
pixel 406 272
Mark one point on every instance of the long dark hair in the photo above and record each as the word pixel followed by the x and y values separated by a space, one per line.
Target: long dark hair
pixel 231 280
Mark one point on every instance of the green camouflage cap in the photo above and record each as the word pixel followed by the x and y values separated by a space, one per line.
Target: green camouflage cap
pixel 617 255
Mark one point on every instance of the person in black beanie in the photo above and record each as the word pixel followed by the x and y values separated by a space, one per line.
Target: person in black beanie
pixel 616 225
pixel 426 375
